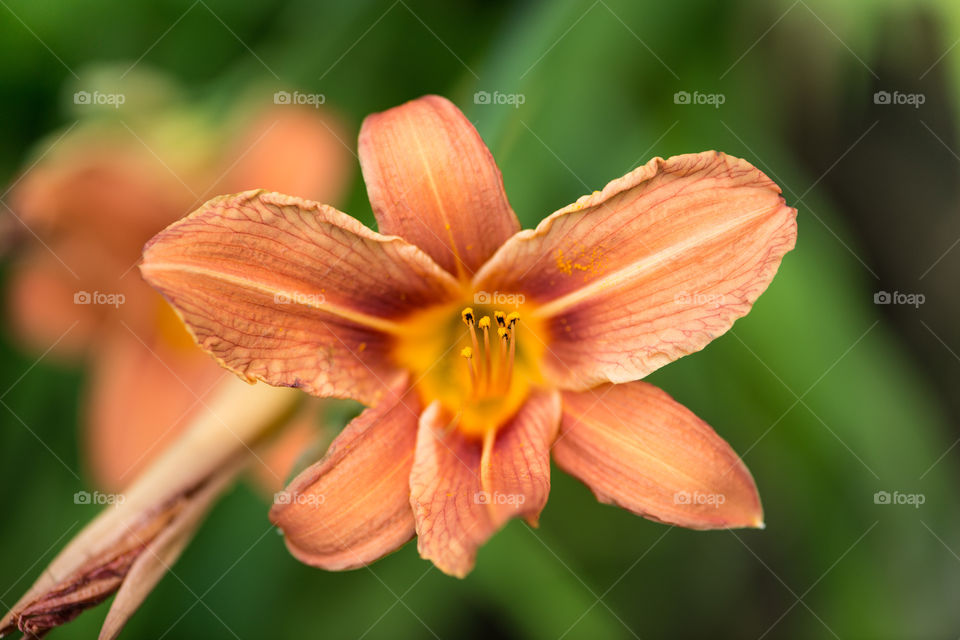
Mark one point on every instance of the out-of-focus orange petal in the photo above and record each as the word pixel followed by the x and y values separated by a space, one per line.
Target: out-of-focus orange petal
pixel 279 455
pixel 143 394
pixel 40 304
pixel 460 498
pixel 293 292
pixel 109 188
pixel 637 448
pixel 71 278
pixel 432 181
pixel 291 149
pixel 353 506
pixel 654 267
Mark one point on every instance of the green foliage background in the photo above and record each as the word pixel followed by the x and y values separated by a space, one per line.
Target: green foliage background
pixel 816 388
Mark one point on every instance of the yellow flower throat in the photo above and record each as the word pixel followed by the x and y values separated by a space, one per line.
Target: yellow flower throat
pixel 478 361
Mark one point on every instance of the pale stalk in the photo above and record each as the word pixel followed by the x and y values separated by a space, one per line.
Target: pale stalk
pixel 128 547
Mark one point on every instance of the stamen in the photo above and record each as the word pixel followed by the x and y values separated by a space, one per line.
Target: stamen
pixel 484 379
pixel 468 319
pixel 484 324
pixel 504 336
pixel 512 320
pixel 467 353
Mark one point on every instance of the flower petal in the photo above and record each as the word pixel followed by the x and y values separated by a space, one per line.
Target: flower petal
pixel 637 448
pixel 516 480
pixel 353 506
pixel 281 454
pixel 291 149
pixel 105 184
pixel 460 500
pixel 143 394
pixel 432 181
pixel 42 312
pixel 654 267
pixel 293 292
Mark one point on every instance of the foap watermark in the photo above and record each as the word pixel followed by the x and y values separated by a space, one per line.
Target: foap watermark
pixel 912 499
pixel 712 99
pixel 899 297
pixel 699 299
pixel 512 99
pixel 305 299
pixel 297 97
pixel 98 297
pixel 305 499
pixel 98 498
pixel 99 98
pixel 497 298
pixel 485 497
pixel 899 98
pixel 695 497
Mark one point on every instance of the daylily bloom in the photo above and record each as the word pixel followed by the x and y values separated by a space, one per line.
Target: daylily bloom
pixel 92 201
pixel 479 348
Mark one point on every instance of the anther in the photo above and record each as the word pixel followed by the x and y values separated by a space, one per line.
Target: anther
pixel 513 318
pixel 467 315
pixel 500 318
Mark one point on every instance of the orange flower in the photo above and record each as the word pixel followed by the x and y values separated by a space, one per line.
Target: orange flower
pixel 480 348
pixel 93 201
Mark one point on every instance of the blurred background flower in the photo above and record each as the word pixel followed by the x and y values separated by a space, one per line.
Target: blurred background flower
pixel 838 389
pixel 88 203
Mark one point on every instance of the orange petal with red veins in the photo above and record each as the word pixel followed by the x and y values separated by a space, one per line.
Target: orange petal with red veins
pixel 517 478
pixel 353 506
pixel 293 292
pixel 460 499
pixel 654 267
pixel 432 181
pixel 637 448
